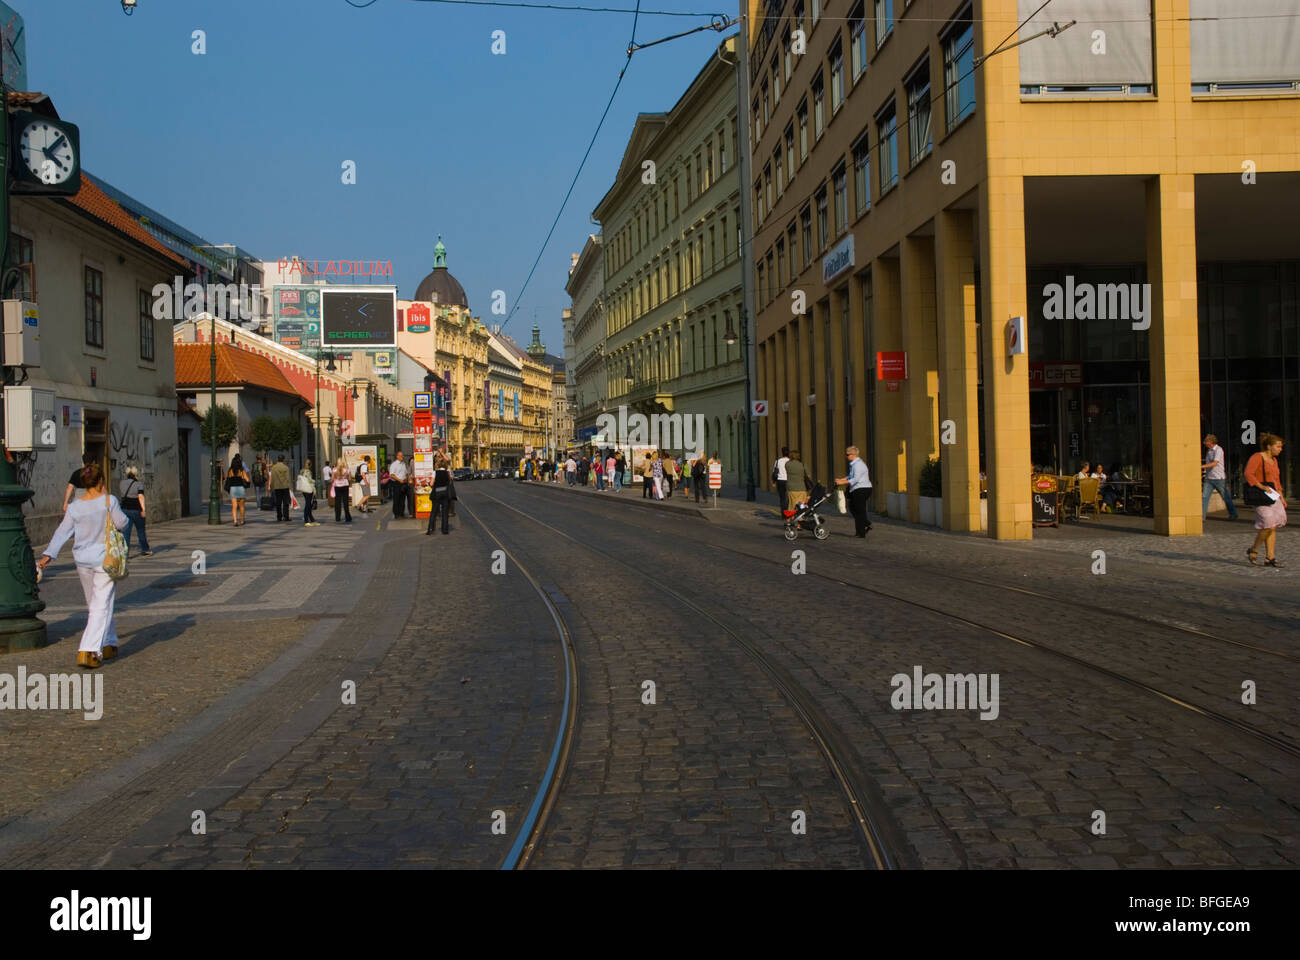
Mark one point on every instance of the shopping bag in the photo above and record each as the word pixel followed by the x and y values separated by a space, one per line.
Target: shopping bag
pixel 840 505
pixel 294 502
pixel 114 546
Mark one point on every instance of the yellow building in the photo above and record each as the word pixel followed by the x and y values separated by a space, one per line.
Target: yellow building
pixel 923 174
pixel 438 329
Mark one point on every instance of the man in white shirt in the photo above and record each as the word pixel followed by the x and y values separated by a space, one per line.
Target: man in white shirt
pixel 397 474
pixel 328 473
pixel 1215 477
pixel 859 481
pixel 778 475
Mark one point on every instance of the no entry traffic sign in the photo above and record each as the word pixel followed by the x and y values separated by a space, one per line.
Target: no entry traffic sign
pixel 758 408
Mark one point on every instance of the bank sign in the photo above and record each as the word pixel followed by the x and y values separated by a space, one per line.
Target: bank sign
pixel 838 260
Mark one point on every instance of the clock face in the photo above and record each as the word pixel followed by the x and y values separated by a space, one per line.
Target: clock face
pixel 46 151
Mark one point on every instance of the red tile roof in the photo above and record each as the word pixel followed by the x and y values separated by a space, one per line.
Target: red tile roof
pixel 235 367
pixel 106 210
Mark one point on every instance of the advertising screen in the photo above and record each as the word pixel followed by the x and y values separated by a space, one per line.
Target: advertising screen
pixel 359 316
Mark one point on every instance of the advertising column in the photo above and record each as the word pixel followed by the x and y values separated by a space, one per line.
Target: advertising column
pixel 422 461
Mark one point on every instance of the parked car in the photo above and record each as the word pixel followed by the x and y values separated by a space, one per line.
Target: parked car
pixel 462 473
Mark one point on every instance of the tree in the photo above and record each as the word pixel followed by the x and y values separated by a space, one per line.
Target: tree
pixel 288 433
pixel 262 434
pixel 227 426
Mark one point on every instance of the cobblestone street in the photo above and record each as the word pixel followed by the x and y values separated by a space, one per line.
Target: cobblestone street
pixel 726 706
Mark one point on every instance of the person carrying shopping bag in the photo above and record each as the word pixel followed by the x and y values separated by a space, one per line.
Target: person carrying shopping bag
pixel 342 481
pixel 93 521
pixel 307 487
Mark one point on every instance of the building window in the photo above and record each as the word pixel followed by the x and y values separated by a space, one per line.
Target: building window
pixel 781 278
pixel 771 278
pixel 708 165
pixel 23 256
pixel 819 104
pixel 816 10
pixel 699 172
pixel 959 70
pixel 759 270
pixel 767 102
pixel 862 173
pixel 805 222
pixel 789 149
pixel 146 326
pixel 722 152
pixel 823 221
pixel 798 16
pixel 767 184
pixel 887 137
pixel 840 180
pixel 94 308
pixel 858 41
pixel 919 139
pixel 884 20
pixel 837 76
pixel 776 78
pixel 758 201
pixel 758 125
pixel 803 129
pixel 780 171
pixel 789 60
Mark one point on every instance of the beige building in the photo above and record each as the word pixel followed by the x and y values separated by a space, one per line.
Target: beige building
pixel 438 330
pixel 585 327
pixel 672 267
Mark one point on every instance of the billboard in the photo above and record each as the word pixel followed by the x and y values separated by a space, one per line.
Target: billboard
pixel 359 317
pixel 297 316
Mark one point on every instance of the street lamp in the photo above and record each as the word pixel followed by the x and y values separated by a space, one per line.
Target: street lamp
pixel 330 367
pixel 730 338
pixel 214 486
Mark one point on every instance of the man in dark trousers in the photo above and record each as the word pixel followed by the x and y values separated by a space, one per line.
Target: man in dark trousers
pixel 397 485
pixel 859 481
pixel 778 476
pixel 280 481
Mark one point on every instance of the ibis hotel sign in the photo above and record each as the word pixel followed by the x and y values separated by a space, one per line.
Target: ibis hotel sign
pixel 838 260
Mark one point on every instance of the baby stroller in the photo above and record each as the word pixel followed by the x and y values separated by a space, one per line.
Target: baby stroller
pixel 807 513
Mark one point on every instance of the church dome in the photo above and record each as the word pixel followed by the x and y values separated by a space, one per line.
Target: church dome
pixel 441 287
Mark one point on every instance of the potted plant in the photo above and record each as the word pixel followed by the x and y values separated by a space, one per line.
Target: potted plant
pixel 930 490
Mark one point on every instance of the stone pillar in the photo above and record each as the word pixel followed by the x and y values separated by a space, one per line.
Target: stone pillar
pixel 954 243
pixel 891 472
pixel 921 390
pixel 1175 353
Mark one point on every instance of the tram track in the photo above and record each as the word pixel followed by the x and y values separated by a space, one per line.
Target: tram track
pixel 1253 731
pixel 883 843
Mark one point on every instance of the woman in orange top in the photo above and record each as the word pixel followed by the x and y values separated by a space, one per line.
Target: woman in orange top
pixel 1262 472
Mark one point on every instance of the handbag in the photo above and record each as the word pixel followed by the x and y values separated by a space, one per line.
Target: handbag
pixel 840 505
pixel 1254 496
pixel 114 545
pixel 305 484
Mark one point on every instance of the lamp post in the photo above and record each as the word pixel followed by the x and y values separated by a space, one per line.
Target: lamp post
pixel 318 438
pixel 730 338
pixel 214 487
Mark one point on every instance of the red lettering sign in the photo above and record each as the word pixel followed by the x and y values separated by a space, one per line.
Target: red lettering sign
pixel 891 365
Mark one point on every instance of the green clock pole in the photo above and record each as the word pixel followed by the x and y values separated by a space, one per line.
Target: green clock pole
pixel 20 600
pixel 214 491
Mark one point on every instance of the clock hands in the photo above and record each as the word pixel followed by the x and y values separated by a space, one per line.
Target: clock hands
pixel 54 146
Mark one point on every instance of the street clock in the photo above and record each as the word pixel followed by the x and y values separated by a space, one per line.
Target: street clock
pixel 44 155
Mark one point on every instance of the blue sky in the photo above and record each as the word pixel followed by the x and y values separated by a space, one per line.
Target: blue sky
pixel 245 144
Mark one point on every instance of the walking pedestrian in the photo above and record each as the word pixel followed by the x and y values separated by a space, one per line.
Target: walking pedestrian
pixel 778 475
pixel 612 476
pixel 598 468
pixel 1215 477
pixel 859 482
pixel 363 478
pixel 237 482
pixel 670 475
pixel 796 481
pixel 699 474
pixel 342 491
pixel 75 481
pixel 327 473
pixel 260 475
pixel 1264 492
pixel 440 500
pixel 280 482
pixel 307 488
pixel 398 472
pixel 647 476
pixel 131 493
pixel 571 470
pixel 86 521
pixel 657 473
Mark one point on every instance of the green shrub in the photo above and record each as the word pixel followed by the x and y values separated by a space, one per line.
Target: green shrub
pixel 931 479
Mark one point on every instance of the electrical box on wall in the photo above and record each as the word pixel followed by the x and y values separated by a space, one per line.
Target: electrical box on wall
pixel 22 334
pixel 29 419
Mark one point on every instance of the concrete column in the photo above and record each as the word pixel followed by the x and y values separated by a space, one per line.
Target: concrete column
pixel 815 453
pixel 1006 379
pixel 863 366
pixel 796 369
pixel 921 391
pixel 1175 353
pixel 834 457
pixel 891 472
pixel 954 242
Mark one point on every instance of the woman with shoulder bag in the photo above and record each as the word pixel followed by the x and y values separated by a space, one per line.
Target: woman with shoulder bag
pixel 133 505
pixel 237 481
pixel 90 520
pixel 342 491
pixel 1264 493
pixel 307 487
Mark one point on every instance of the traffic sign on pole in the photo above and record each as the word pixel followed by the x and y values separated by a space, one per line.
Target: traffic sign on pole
pixel 758 408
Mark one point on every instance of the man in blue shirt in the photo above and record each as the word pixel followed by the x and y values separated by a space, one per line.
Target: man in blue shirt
pixel 859 481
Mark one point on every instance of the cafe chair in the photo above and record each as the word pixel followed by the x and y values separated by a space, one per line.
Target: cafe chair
pixel 1090 496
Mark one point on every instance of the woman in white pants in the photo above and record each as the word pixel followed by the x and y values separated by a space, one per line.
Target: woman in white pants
pixel 85 521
